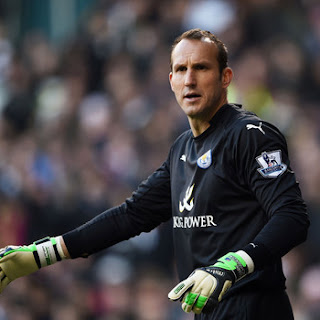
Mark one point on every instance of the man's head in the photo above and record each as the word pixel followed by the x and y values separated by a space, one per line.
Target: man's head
pixel 199 76
pixel 198 34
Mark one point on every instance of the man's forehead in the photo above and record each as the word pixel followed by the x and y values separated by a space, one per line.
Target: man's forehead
pixel 194 42
pixel 203 47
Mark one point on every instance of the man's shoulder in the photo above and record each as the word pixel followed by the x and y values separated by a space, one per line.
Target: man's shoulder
pixel 239 119
pixel 241 115
pixel 244 124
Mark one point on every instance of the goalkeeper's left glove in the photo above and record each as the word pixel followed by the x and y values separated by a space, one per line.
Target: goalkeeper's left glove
pixel 205 287
pixel 19 261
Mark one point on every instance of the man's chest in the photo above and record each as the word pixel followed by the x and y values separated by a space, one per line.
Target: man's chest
pixel 200 177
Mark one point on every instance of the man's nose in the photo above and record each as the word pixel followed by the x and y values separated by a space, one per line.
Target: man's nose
pixel 190 79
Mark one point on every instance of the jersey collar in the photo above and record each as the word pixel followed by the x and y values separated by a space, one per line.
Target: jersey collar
pixel 218 119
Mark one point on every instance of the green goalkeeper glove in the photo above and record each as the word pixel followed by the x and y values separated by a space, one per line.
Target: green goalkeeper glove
pixel 206 286
pixel 19 261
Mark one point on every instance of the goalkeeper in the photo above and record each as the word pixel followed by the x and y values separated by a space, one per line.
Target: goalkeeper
pixel 228 187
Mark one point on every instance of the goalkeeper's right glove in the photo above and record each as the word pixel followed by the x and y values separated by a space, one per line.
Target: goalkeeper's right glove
pixel 206 286
pixel 19 261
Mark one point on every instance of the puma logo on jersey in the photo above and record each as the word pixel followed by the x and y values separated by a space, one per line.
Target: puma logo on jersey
pixel 252 126
pixel 183 158
pixel 184 205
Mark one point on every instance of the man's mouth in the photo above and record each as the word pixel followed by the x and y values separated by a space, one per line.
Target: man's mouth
pixel 191 96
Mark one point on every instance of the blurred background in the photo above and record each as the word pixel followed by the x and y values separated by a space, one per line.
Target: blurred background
pixel 86 113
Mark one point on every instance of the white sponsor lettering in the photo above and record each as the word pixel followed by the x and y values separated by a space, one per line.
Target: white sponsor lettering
pixel 193 222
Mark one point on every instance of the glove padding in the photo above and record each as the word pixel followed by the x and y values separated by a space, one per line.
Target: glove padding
pixel 205 287
pixel 19 261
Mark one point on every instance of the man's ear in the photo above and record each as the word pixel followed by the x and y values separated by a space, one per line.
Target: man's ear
pixel 227 76
pixel 170 80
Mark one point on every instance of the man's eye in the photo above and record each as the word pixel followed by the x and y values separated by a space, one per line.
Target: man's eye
pixel 200 67
pixel 180 69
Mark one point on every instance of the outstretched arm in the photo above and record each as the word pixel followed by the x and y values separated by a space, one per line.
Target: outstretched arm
pixel 149 206
pixel 19 261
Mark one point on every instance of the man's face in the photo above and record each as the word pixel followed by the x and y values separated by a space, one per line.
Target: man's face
pixel 195 78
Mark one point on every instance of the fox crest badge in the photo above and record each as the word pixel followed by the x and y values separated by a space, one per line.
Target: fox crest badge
pixel 205 160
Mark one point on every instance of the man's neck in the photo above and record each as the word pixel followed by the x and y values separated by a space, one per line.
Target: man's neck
pixel 200 125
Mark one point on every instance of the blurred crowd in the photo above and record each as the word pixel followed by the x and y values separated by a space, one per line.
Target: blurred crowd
pixel 83 122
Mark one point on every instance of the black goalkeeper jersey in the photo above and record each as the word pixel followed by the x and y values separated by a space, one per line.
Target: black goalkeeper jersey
pixel 230 188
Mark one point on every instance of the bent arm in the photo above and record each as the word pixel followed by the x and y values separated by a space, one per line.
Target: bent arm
pixel 284 231
pixel 277 191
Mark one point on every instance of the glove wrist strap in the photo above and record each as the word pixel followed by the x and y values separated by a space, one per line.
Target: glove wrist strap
pixel 247 259
pixel 48 251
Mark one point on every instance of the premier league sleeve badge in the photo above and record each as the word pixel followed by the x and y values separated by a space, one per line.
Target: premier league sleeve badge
pixel 271 165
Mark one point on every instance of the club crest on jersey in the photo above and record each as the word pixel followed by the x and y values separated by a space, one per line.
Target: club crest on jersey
pixel 205 160
pixel 271 165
